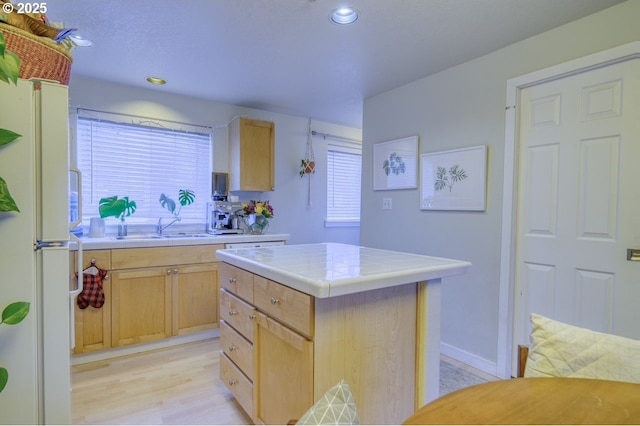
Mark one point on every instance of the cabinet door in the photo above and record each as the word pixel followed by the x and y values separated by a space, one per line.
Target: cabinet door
pixel 195 298
pixel 92 325
pixel 252 149
pixel 284 374
pixel 141 310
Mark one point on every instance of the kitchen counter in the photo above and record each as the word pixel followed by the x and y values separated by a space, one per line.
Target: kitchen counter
pixel 143 240
pixel 331 269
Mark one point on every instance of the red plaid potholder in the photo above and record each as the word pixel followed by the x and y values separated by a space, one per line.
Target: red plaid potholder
pixel 92 293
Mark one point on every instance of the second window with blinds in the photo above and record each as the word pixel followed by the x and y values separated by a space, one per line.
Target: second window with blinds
pixel 344 169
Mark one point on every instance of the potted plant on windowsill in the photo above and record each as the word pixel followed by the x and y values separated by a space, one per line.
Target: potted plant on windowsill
pixel 185 198
pixel 118 208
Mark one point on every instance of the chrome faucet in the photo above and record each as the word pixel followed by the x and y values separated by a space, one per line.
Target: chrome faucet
pixel 160 228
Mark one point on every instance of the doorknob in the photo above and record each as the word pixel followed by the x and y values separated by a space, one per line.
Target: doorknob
pixel 633 255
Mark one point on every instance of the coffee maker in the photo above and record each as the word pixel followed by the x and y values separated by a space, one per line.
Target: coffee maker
pixel 222 217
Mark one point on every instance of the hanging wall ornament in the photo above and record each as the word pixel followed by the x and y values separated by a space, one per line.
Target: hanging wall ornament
pixel 308 164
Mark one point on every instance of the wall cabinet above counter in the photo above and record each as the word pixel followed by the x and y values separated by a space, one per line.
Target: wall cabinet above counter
pixel 251 155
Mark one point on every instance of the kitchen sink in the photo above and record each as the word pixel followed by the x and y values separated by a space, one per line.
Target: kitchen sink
pixel 156 236
pixel 137 237
pixel 184 235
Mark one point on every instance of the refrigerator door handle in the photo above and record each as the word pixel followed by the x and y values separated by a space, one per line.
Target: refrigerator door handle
pixel 80 285
pixel 74 293
pixel 77 222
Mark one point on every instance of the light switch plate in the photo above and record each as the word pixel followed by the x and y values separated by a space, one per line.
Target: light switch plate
pixel 387 204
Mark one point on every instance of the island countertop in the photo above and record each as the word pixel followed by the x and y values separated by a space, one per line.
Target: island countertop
pixel 333 269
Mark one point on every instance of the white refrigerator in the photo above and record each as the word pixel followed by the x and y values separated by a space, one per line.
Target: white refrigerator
pixel 34 253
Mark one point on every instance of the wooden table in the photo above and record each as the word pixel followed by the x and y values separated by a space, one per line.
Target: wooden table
pixel 536 401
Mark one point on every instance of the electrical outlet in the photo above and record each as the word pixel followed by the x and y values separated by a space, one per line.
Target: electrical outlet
pixel 387 204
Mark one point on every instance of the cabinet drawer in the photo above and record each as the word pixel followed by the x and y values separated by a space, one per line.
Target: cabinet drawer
pixel 237 348
pixel 285 304
pixel 102 258
pixel 237 281
pixel 237 383
pixel 163 256
pixel 238 314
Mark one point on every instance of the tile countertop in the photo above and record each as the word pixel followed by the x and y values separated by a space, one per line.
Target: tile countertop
pixel 331 269
pixel 111 242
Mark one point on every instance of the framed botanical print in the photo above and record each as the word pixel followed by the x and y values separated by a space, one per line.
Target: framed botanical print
pixel 395 164
pixel 454 180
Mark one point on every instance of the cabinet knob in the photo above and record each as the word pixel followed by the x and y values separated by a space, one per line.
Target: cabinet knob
pixel 232 348
pixel 168 271
pixel 274 301
pixel 252 316
pixel 232 280
pixel 232 382
pixel 175 271
pixel 232 313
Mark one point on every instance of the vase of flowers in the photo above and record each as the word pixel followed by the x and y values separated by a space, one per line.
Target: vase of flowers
pixel 256 216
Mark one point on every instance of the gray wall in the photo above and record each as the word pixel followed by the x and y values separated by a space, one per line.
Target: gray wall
pixel 464 106
pixel 293 215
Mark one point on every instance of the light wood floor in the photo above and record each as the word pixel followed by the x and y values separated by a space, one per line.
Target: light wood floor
pixel 177 385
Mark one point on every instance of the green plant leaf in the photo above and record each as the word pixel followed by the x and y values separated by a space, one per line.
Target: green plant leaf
pixel 112 206
pixel 7 203
pixel 186 197
pixel 9 67
pixel 3 43
pixel 7 136
pixel 109 206
pixel 4 378
pixel 15 312
pixel 167 203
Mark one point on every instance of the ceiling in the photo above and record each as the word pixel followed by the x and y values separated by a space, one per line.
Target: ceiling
pixel 286 56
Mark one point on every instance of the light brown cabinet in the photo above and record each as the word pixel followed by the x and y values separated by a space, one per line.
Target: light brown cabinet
pixel 93 325
pixel 260 350
pixel 152 293
pixel 251 155
pixel 141 305
pixel 195 298
pixel 301 346
pixel 284 373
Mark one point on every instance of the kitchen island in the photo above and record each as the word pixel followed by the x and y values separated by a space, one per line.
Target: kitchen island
pixel 297 319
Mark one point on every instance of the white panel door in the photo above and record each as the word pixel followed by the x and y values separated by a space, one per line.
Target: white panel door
pixel 579 202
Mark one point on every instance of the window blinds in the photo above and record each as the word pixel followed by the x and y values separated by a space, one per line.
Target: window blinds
pixel 344 167
pixel 142 162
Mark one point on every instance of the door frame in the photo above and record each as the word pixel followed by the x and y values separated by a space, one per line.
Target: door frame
pixel 506 296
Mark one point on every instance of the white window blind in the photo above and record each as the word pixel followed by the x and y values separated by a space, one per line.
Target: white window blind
pixel 344 167
pixel 142 162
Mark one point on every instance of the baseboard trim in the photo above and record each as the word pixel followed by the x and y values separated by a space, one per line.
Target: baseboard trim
pixel 470 359
pixel 143 347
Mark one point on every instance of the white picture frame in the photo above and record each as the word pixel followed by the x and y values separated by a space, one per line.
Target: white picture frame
pixel 454 179
pixel 395 164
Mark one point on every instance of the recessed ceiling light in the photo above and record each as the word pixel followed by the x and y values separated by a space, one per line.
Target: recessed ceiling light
pixel 156 80
pixel 343 15
pixel 80 41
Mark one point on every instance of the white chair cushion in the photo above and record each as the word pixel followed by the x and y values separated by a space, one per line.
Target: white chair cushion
pixel 336 407
pixel 562 350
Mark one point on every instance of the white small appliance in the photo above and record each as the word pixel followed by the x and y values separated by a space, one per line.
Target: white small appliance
pixel 222 217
